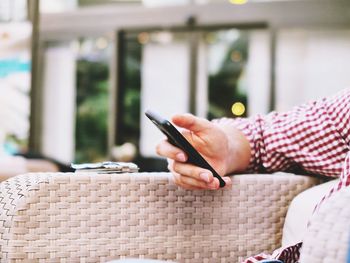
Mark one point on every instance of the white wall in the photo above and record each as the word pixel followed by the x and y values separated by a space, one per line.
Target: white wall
pixel 258 72
pixel 202 81
pixel 56 6
pixel 165 87
pixel 59 103
pixel 311 65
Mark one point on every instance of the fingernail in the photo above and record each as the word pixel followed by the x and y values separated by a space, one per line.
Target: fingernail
pixel 228 181
pixel 205 177
pixel 214 184
pixel 180 157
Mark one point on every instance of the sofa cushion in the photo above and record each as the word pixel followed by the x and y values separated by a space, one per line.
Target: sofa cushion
pixel 300 211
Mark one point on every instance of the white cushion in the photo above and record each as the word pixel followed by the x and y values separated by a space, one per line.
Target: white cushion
pixel 300 211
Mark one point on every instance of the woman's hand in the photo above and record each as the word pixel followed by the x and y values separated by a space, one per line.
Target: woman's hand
pixel 224 147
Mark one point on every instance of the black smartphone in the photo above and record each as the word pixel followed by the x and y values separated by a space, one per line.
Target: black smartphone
pixel 178 140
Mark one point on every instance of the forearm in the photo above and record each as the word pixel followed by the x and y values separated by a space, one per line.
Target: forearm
pixel 311 138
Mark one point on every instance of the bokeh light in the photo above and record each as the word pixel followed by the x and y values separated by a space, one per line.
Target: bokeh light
pixel 238 108
pixel 101 43
pixel 238 2
pixel 236 56
pixel 143 38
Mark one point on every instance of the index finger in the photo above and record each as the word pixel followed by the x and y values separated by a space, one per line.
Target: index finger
pixel 191 122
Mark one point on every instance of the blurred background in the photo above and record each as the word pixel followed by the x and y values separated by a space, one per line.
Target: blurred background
pixel 77 75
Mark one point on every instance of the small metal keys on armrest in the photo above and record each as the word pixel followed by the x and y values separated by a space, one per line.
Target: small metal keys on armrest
pixel 106 167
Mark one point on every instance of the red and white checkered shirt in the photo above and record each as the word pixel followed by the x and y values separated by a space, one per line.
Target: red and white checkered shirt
pixel 313 138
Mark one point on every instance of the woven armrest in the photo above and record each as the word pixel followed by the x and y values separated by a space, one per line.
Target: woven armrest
pixel 327 238
pixel 96 218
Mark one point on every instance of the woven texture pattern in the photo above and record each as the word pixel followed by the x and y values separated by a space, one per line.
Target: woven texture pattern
pixel 96 218
pixel 327 238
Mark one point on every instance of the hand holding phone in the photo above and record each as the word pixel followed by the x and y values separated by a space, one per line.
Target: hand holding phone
pixel 178 140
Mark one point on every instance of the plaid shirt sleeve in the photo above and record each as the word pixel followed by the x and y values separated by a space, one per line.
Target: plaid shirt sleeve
pixel 313 138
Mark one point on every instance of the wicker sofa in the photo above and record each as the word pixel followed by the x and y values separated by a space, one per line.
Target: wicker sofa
pixel 67 217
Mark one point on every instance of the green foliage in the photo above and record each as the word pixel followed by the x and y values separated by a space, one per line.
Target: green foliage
pixel 223 86
pixel 92 111
pixel 130 118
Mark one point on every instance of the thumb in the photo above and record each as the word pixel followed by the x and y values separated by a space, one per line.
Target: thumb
pixel 191 122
